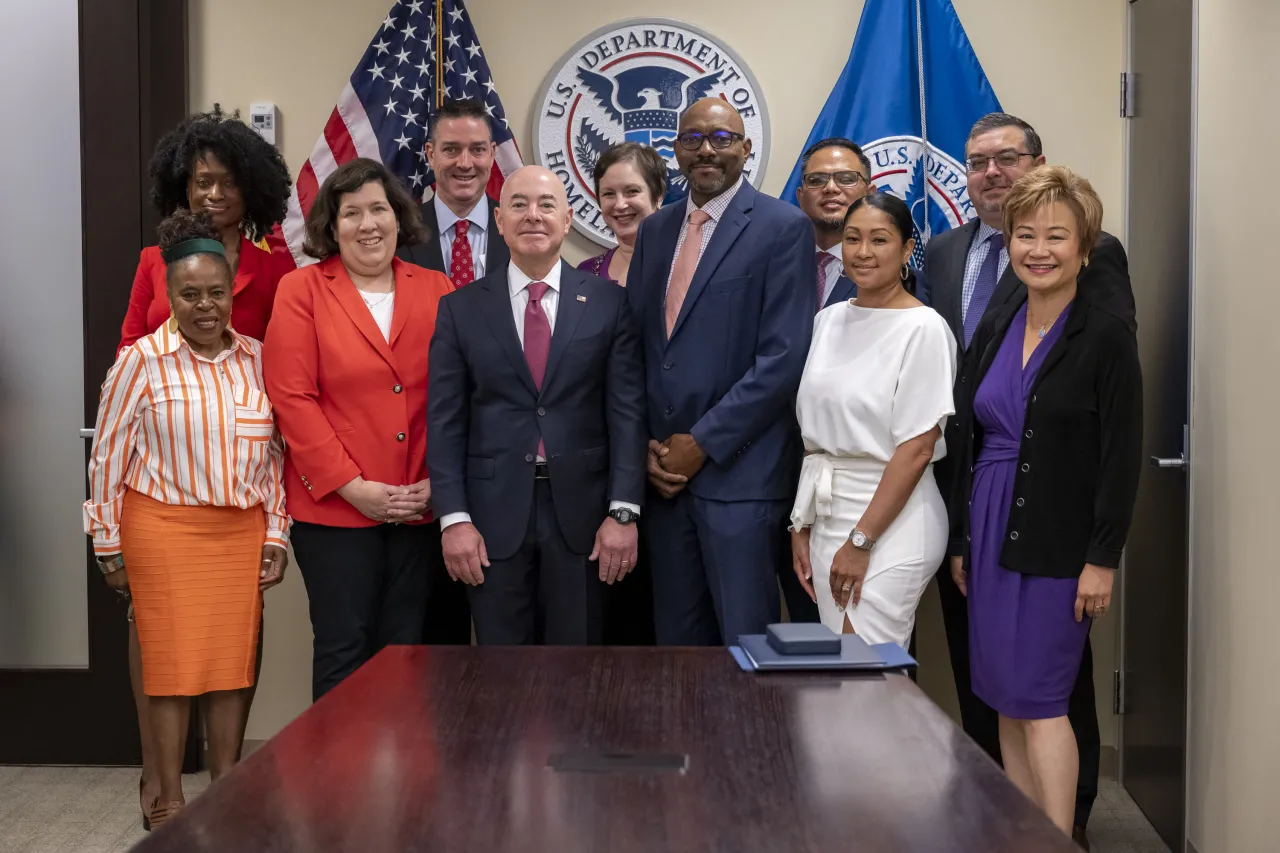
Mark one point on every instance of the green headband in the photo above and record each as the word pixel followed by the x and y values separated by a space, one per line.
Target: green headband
pixel 198 246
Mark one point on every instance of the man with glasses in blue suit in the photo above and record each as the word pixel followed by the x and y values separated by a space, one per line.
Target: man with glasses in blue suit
pixel 722 285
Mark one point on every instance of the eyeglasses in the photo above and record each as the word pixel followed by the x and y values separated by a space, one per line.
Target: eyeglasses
pixel 691 140
pixel 1005 159
pixel 818 180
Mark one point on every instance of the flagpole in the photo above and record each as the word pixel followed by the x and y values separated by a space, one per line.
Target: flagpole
pixel 924 120
pixel 439 53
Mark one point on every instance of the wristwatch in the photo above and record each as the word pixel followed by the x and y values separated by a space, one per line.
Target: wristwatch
pixel 622 515
pixel 861 541
pixel 113 563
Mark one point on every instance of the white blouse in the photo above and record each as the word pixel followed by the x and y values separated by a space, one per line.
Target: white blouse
pixel 874 379
pixel 382 306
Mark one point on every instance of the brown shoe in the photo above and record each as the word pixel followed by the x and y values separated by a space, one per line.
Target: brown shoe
pixel 1079 837
pixel 144 805
pixel 162 812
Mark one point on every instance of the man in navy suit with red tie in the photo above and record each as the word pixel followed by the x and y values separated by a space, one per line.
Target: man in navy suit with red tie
pixel 723 286
pixel 535 430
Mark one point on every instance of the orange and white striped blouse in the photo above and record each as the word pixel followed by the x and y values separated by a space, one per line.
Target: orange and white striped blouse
pixel 185 430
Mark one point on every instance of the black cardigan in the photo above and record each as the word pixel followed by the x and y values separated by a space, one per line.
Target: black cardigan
pixel 1081 450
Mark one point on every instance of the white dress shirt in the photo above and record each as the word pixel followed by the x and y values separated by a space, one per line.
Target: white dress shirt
pixel 518 286
pixel 834 270
pixel 477 233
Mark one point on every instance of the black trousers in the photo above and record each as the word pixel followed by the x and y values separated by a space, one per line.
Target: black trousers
pixel 628 606
pixel 543 593
pixel 366 589
pixel 982 723
pixel 448 612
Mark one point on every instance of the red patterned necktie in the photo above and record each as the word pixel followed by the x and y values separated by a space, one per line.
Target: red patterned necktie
pixel 537 339
pixel 462 267
pixel 825 259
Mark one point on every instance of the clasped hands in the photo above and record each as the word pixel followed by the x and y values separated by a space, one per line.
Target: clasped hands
pixel 673 462
pixel 388 504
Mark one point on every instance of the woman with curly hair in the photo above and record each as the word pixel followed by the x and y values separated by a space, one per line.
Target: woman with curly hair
pixel 186 505
pixel 214 162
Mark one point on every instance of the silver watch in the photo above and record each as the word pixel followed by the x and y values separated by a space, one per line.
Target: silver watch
pixel 861 541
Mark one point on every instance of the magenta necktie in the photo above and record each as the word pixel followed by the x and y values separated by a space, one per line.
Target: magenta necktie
pixel 825 259
pixel 537 339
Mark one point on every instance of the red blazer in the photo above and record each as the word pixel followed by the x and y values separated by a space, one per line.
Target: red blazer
pixel 348 402
pixel 254 290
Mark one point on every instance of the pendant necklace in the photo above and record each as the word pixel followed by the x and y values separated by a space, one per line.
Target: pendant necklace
pixel 1044 327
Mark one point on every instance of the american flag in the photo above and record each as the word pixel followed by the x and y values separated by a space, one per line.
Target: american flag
pixel 424 53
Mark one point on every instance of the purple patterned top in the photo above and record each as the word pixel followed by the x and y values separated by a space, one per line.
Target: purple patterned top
pixel 599 265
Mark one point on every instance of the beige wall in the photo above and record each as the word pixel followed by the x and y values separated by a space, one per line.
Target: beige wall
pixel 298 53
pixel 1234 744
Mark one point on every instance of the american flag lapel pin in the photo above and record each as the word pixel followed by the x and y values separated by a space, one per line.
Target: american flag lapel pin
pixel 581 298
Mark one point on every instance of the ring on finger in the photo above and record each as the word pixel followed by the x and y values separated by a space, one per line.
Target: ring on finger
pixel 848 586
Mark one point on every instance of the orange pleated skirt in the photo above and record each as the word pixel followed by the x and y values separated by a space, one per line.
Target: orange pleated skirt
pixel 193 575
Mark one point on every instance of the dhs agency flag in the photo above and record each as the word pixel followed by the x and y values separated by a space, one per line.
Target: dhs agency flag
pixel 912 85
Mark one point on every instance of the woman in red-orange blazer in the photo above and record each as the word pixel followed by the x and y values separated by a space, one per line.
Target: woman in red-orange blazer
pixel 345 363
pixel 215 163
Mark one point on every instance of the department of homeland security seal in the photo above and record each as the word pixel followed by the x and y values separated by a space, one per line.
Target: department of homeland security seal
pixel 899 167
pixel 630 81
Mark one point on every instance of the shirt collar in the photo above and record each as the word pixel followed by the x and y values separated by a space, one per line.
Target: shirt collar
pixel 836 251
pixel 518 281
pixel 170 340
pixel 718 205
pixel 984 233
pixel 479 215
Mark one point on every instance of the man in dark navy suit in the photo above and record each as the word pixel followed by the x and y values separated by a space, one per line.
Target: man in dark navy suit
pixel 834 174
pixel 723 286
pixel 535 431
pixel 463 243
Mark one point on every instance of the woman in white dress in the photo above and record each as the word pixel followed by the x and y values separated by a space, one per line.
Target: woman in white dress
pixel 869 527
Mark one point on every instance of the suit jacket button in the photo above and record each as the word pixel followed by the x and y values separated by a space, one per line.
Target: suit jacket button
pixel 399 436
pixel 666 365
pixel 397 389
pixel 668 411
pixel 528 457
pixel 541 411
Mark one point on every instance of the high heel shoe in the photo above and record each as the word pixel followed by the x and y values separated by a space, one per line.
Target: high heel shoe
pixel 146 807
pixel 161 813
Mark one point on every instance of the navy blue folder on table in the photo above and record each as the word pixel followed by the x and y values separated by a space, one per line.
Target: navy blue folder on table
pixel 754 654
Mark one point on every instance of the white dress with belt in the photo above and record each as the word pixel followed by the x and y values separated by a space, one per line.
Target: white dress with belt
pixel 875 378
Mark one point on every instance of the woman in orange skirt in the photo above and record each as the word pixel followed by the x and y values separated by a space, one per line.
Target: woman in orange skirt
pixel 187 504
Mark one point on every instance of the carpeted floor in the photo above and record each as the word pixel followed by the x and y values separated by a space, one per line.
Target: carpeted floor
pixel 95 810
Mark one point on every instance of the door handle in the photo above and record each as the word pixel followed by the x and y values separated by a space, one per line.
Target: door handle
pixel 87 433
pixel 1180 462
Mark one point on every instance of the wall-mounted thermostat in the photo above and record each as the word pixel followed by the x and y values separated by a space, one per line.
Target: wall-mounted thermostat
pixel 263 118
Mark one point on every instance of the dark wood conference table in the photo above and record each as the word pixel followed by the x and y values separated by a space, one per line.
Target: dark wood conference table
pixel 611 750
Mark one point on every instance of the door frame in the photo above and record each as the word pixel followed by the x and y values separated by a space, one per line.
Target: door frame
pixel 1189 471
pixel 133 88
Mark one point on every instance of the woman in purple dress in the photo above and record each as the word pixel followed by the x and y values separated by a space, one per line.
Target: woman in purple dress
pixel 631 180
pixel 1051 403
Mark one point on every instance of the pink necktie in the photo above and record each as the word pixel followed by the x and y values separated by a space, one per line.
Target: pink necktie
pixel 537 339
pixel 461 264
pixel 685 265
pixel 825 259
